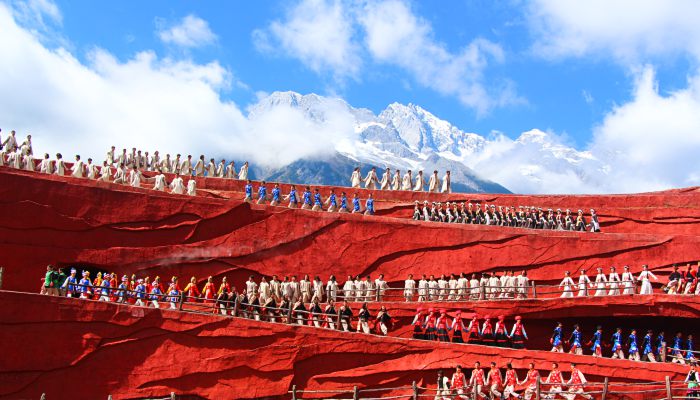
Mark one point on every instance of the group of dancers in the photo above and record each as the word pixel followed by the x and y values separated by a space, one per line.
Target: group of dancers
pixel 612 284
pixel 652 350
pixel 395 181
pixel 522 217
pixel 436 325
pixel 683 282
pixel 458 287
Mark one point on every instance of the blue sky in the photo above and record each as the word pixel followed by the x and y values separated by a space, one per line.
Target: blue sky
pixel 615 86
pixel 552 91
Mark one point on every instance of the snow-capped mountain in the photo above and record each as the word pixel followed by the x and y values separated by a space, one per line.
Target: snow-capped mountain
pixel 410 137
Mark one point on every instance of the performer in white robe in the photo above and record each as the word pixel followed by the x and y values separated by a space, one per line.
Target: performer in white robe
pixel 567 286
pixel 28 162
pixel 371 179
pixel 46 166
pixel 601 283
pixel 27 146
pixel 211 169
pixel 349 289
pixel 176 165
pixel 123 158
pixel 199 167
pixel 192 187
pixel 614 282
pixel 105 172
pixel 78 168
pixel 91 169
pixel 154 162
pixel 166 164
pixel 355 178
pixel 110 156
pixel 160 182
pixel 177 186
pixel 407 182
pixel 434 183
pixel 120 175
pixel 409 288
pixel 645 278
pixel 628 281
pixel 135 177
pixel 583 283
pixel 221 171
pixel 396 181
pixel 15 159
pixel 447 183
pixel 186 167
pixel 332 289
pixel 243 173
pixel 386 178
pixel 3 156
pixel 420 182
pixel 10 143
pixel 60 165
pixel 231 170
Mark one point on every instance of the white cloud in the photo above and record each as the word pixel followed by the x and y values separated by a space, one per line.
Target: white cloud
pixel 587 96
pixel 630 30
pixel 317 32
pixel 192 31
pixel 151 103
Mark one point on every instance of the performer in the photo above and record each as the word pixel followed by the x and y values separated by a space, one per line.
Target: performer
pixel 689 350
pixel 474 335
pixel 46 166
pixel 555 380
pixel 243 173
pixel 601 282
pixel 292 197
pixel 693 380
pixel 192 187
pixel 597 342
pixel 447 183
pixel 262 193
pixel 617 345
pixel 500 333
pixel 355 178
pixel 575 341
pixel 632 346
pixel 332 288
pixel 567 285
pixel 105 290
pixel 477 381
pixel 306 203
pixel 409 288
pixel 628 281
pixel 331 314
pixel 458 329
pixel 383 322
pixel 518 335
pixel 363 319
pixel 645 277
pixel 441 326
pixel 140 293
pixel 160 182
pixel 676 351
pixel 231 171
pixel 556 341
pixel 332 202
pixel 396 181
pixel 343 203
pixel 420 182
pixel 345 316
pixel 429 331
pixel 418 324
pixel 494 381
pixel 614 283
pixel 648 350
pixel 248 191
pixel 386 177
pixel 595 223
pixel 530 382
pixel 85 286
pixel 434 183
pixel 407 180
pixel 135 177
pixel 191 291
pixel 510 382
pixel 177 186
pixel 356 204
pixel 209 291
pixel 275 195
pixel 576 384
pixel 459 383
pixel 487 337
pixel 583 283
pixel 369 205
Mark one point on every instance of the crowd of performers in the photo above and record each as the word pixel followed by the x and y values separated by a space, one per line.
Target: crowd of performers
pixel 494 384
pixel 394 181
pixel 287 302
pixel 458 287
pixel 683 282
pixel 308 199
pixel 647 348
pixel 436 325
pixel 522 217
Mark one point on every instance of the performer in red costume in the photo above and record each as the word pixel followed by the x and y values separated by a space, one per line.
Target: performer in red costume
pixel 477 381
pixel 209 290
pixel 555 380
pixel 518 334
pixel 500 335
pixel 429 325
pixel 458 328
pixel 530 382
pixel 441 324
pixel 494 381
pixel 576 384
pixel 487 337
pixel 510 382
pixel 473 335
pixel 191 291
pixel 418 324
pixel 459 383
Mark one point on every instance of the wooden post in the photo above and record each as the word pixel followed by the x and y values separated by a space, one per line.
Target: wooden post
pixel 182 299
pixel 289 313
pixel 605 389
pixel 663 352
pixel 538 388
pixel 668 388
pixel 235 306
pixel 534 290
pixel 355 393
pixel 294 392
pixel 338 323
pixel 415 390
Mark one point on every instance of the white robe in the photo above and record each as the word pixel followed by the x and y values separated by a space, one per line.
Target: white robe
pixel 28 163
pixel 160 183
pixel 396 182
pixel 165 165
pixel 434 183
pixel 409 288
pixel 355 179
pixel 628 283
pixel 110 157
pixel 192 187
pixel 371 180
pixel 583 282
pixel 60 167
pixel 447 184
pixel 186 168
pixel 567 285
pixel 135 178
pixel 199 168
pixel 384 183
pixel 614 284
pixel 211 171
pixel 177 186
pixel 92 171
pixel 230 171
pixel 243 173
pixel 420 183
pixel 645 277
pixel 16 160
pixel 78 169
pixel 120 176
pixel 105 172
pixel 46 166
pixel 406 183
pixel 601 282
pixel 220 170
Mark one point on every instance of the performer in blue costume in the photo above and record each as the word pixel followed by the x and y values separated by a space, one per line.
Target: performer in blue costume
pixel 596 341
pixel 355 204
pixel 575 341
pixel 140 293
pixel 555 340
pixel 689 349
pixel 155 296
pixel 369 205
pixel 676 351
pixel 121 293
pixel 632 345
pixel 275 195
pixel 318 201
pixel 292 197
pixel 306 199
pixel 70 284
pixel 343 203
pixel 262 193
pixel 647 348
pixel 660 343
pixel 332 202
pixel 617 345
pixel 248 192
pixel 105 290
pixel 85 288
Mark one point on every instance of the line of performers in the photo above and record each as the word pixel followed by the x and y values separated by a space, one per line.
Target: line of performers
pixel 523 217
pixel 492 384
pixel 608 285
pixel 651 350
pixel 436 325
pixel 308 200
